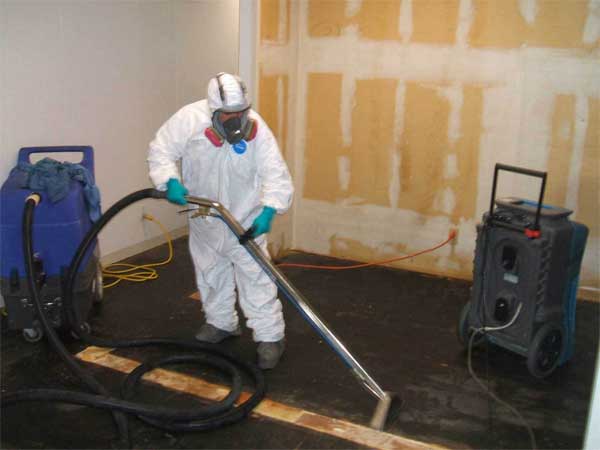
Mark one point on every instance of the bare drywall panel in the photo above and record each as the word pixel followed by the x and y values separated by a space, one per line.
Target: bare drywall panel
pixel 399 115
pixel 273 101
pixel 377 20
pixel 588 204
pixel 560 152
pixel 369 154
pixel 434 22
pixel 275 21
pixel 323 115
pixel 546 23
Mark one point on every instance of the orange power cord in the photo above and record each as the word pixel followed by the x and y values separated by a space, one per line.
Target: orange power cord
pixel 451 236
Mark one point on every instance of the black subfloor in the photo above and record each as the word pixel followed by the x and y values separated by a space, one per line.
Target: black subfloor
pixel 400 326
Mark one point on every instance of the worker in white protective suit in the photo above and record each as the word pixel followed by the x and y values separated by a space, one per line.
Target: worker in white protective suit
pixel 227 154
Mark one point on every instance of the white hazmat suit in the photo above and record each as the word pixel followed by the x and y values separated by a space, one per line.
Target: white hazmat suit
pixel 244 182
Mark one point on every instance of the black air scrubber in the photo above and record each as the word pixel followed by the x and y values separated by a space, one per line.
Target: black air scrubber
pixel 527 254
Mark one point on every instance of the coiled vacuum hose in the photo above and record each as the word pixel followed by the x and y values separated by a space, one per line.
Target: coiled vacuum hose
pixel 202 417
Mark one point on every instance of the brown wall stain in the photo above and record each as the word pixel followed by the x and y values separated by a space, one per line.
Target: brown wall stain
pixel 372 140
pixel 499 23
pixel 323 136
pixel 269 21
pixel 434 22
pixel 422 147
pixel 561 149
pixel 588 205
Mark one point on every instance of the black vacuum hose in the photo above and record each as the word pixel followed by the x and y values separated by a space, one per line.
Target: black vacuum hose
pixel 198 418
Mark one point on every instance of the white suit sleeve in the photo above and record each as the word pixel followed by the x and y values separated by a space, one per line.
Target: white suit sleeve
pixel 276 182
pixel 167 148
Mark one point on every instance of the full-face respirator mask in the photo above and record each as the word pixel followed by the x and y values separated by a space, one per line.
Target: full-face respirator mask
pixel 230 121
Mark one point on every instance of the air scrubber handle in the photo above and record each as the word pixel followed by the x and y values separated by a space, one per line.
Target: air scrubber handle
pixel 522 171
pixel 88 154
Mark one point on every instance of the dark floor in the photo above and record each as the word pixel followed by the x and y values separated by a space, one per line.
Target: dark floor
pixel 400 325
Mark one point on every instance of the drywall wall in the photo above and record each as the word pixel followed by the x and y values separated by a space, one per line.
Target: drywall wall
pixel 396 112
pixel 108 74
pixel 275 100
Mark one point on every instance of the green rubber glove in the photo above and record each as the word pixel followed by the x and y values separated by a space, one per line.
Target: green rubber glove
pixel 176 192
pixel 262 224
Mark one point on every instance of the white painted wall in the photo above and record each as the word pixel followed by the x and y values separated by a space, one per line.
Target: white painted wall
pixel 248 42
pixel 108 74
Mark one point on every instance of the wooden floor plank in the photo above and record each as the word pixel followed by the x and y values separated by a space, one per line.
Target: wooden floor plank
pixel 267 408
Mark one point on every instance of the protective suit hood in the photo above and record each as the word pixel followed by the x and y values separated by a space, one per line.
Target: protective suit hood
pixel 227 93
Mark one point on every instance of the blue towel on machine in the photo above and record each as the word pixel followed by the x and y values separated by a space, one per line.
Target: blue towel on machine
pixel 54 177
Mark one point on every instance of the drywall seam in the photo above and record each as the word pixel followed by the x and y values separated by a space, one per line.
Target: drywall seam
pixel 563 70
pixel 299 116
pixel 283 23
pixel 581 124
pixel 396 156
pixel 451 167
pixel 352 7
pixel 405 21
pixel 528 10
pixel 280 106
pixel 348 94
pixel 344 172
pixel 591 31
pixel 465 20
pixel 454 95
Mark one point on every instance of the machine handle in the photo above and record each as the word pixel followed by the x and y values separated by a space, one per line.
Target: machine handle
pixel 155 193
pixel 88 154
pixel 522 171
pixel 248 234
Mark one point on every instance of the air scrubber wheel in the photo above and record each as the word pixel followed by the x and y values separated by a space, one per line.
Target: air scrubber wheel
pixel 545 350
pixel 34 334
pixel 86 327
pixel 463 330
pixel 97 289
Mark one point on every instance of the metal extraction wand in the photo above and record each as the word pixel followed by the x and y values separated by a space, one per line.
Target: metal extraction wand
pixel 384 398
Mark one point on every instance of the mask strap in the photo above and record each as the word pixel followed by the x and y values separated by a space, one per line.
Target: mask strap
pixel 221 89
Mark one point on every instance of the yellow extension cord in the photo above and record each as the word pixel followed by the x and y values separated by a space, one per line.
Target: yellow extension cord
pixel 137 273
pixel 145 272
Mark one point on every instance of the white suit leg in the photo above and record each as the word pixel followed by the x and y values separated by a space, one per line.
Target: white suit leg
pixel 215 280
pixel 258 295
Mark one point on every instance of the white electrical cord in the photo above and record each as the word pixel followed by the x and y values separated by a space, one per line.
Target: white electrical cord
pixel 485 388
